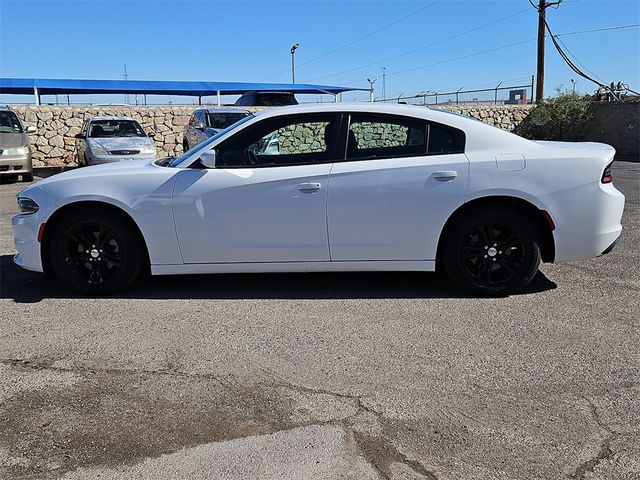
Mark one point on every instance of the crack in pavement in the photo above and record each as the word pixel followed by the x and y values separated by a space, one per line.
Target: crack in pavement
pixel 42 365
pixel 605 451
pixel 124 415
pixel 378 450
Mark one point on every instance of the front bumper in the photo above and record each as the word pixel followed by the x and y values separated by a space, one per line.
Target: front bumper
pixel 15 164
pixel 102 159
pixel 25 231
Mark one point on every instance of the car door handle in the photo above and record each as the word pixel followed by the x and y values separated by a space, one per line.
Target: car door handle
pixel 308 187
pixel 445 175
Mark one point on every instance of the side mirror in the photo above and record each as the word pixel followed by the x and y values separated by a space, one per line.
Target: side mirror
pixel 79 135
pixel 31 129
pixel 208 159
pixel 201 126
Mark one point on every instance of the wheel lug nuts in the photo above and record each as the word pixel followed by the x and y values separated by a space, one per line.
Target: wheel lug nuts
pixel 485 256
pixel 494 259
pixel 486 247
pixel 495 244
pixel 499 252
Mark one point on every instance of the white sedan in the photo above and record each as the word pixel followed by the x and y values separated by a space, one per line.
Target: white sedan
pixel 348 188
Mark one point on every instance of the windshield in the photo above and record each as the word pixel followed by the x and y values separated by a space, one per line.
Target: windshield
pixel 224 120
pixel 115 128
pixel 9 123
pixel 202 146
pixel 275 99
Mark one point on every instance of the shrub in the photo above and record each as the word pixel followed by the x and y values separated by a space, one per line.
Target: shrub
pixel 560 118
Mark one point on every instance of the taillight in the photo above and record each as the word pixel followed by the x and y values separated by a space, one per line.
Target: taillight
pixel 606 175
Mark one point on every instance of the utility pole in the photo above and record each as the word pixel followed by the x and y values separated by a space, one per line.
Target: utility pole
pixel 125 76
pixel 542 8
pixel 384 83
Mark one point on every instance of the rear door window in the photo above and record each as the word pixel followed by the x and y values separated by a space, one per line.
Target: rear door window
pixel 386 136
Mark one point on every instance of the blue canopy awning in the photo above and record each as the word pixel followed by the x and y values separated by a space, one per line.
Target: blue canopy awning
pixel 51 86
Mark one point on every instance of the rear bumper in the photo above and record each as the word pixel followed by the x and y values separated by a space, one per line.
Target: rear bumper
pixel 610 247
pixel 587 220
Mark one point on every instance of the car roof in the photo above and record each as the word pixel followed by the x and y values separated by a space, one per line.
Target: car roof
pixel 422 112
pixel 224 110
pixel 111 117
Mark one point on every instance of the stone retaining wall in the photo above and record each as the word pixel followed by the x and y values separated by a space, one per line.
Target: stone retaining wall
pixel 54 144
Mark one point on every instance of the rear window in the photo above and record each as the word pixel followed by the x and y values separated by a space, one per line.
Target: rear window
pixel 224 120
pixel 9 122
pixel 275 99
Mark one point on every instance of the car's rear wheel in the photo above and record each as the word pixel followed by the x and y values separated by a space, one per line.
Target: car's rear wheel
pixel 96 252
pixel 492 250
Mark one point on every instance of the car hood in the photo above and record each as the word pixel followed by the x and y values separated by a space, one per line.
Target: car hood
pixel 107 169
pixel 12 140
pixel 120 143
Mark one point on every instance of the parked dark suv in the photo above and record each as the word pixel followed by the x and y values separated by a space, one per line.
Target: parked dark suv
pixel 206 122
pixel 266 99
pixel 15 155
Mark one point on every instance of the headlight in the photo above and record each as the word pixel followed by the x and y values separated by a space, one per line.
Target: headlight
pixel 148 150
pixel 27 206
pixel 98 150
pixel 17 151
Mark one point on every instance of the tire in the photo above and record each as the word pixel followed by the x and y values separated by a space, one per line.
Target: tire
pixel 96 252
pixel 492 250
pixel 27 177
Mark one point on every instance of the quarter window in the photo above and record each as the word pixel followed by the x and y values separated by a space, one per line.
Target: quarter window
pixel 445 140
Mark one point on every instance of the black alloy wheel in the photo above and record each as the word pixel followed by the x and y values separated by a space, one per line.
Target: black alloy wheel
pixel 492 251
pixel 96 252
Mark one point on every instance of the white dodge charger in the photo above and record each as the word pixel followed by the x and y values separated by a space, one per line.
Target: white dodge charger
pixel 329 188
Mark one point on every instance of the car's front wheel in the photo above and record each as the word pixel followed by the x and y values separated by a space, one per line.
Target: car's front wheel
pixel 96 252
pixel 492 250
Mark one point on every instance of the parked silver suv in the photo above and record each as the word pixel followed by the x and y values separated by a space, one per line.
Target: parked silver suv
pixel 206 122
pixel 15 155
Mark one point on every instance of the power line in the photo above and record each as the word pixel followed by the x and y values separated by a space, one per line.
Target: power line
pixel 482 52
pixel 408 52
pixel 621 27
pixel 577 60
pixel 348 44
pixel 497 48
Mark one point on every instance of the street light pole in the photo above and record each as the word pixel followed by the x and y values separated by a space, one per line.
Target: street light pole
pixel 293 62
pixel 371 82
pixel 574 85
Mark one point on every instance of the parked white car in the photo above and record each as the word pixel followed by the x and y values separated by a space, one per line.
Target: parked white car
pixel 113 139
pixel 349 188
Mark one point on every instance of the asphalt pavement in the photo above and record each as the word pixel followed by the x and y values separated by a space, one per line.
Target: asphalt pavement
pixel 325 376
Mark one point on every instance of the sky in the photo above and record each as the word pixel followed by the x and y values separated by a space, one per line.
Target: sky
pixel 434 45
